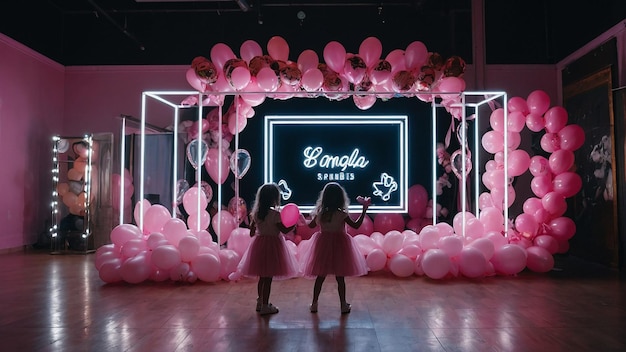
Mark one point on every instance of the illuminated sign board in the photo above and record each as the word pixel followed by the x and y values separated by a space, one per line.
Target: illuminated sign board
pixel 367 155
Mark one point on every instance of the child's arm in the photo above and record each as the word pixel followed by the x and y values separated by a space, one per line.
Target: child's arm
pixel 285 229
pixel 356 224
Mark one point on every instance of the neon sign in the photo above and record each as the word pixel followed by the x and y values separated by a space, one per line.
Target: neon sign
pixel 367 155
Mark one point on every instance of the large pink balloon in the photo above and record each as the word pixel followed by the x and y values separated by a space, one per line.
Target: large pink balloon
pixel 312 80
pixel 206 266
pixel 249 49
pixel 436 264
pixel 538 102
pixel 278 48
pixel 385 222
pixel 567 184
pixel 174 230
pixel 194 200
pixel 370 50
pixel 550 142
pixel 189 246
pixel 492 219
pixel 123 233
pixel 541 185
pixel 535 122
pixel 211 164
pixel 376 259
pixel 554 203
pixel 518 104
pixel 156 216
pixel 418 200
pixel 135 270
pixel 561 160
pixel 199 221
pixel 548 242
pixel 401 265
pixel 493 141
pixel 562 228
pixel 220 53
pixel 289 214
pixel 335 56
pixel 572 137
pixel 539 259
pixel 415 55
pixel 518 162
pixel 539 166
pixel 266 79
pixel 239 240
pixel 166 257
pixel 496 120
pixel 223 224
pixel 472 262
pixel 556 119
pixel 366 228
pixel 509 259
pixel 525 223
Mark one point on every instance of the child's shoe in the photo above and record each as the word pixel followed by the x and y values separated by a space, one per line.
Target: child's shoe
pixel 258 304
pixel 345 308
pixel 268 309
pixel 313 307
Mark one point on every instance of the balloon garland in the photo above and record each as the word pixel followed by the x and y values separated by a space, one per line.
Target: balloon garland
pixel 167 248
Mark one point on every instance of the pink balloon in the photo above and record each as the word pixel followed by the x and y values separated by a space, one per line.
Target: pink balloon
pixel 550 142
pixel 572 137
pixel 206 266
pixel 392 242
pixel 145 204
pixel 492 219
pixel 485 201
pixel 239 77
pixel 199 221
pixel 497 195
pixel 133 247
pixel 289 214
pixel 312 80
pixel 548 242
pixel 220 53
pixel 535 122
pixel 251 97
pixel 211 164
pixel 516 121
pixel 249 49
pixel 436 264
pixel 474 228
pixel 223 224
pixel 364 102
pixel 385 222
pixel 365 243
pixel 267 80
pixel 156 239
pixel 493 141
pixel 354 68
pixel 123 233
pixel 174 230
pixel 379 73
pixel 567 184
pixel 541 185
pixel 194 81
pixel 189 246
pixel 518 104
pixel 401 265
pixel 376 259
pixel 531 205
pixel 561 160
pixel 135 270
pixel 496 120
pixel 335 56
pixel 509 259
pixel 416 55
pixel 518 162
pixel 556 119
pixel 396 59
pixel 417 201
pixel 554 203
pixel 229 260
pixel 451 245
pixel 415 224
pixel 239 240
pixel 109 272
pixel 538 102
pixel 525 223
pixel 194 200
pixel 370 50
pixel 451 85
pixel 484 245
pixel 412 251
pixel 166 257
pixel 154 219
pixel 472 262
pixel 278 48
pixel 539 259
pixel 429 237
pixel 514 139
pixel 562 228
pixel 539 166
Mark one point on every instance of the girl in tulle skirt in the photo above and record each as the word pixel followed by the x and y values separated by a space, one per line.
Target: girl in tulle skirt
pixel 332 250
pixel 268 256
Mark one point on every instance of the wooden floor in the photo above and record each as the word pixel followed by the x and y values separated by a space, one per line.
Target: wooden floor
pixel 58 303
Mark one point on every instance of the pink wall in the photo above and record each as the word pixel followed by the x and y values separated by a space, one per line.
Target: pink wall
pixel 39 98
pixel 31 111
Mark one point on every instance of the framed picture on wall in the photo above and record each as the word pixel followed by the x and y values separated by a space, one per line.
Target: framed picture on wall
pixel 589 103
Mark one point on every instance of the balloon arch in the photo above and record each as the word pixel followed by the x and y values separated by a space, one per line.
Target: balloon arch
pixel 482 240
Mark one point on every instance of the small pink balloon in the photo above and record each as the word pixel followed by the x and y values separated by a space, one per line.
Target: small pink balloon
pixel 572 137
pixel 554 203
pixel 267 80
pixel 567 184
pixel 249 49
pixel 370 50
pixel 376 260
pixel 492 141
pixel 539 259
pixel 518 162
pixel 518 104
pixel 548 242
pixel 415 55
pixel 335 56
pixel 561 160
pixel 401 265
pixel 541 185
pixel 550 142
pixel 539 166
pixel 278 48
pixel 496 120
pixel 212 164
pixel 562 228
pixel 436 264
pixel 535 122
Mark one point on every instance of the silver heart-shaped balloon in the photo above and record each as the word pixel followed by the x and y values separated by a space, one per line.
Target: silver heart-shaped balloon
pixel 196 152
pixel 457 163
pixel 240 162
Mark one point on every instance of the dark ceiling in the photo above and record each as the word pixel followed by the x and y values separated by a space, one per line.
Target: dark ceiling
pixel 128 32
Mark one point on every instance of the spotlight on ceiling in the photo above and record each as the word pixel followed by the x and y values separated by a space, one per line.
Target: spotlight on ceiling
pixel 243 5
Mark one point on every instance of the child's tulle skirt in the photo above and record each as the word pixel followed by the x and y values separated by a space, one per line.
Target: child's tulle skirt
pixel 333 253
pixel 269 256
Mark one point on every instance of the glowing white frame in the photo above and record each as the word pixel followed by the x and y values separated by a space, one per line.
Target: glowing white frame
pixel 401 120
pixel 484 97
